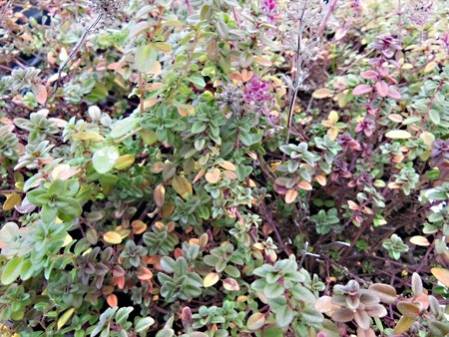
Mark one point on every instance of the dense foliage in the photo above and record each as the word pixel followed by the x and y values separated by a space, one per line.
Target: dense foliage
pixel 213 168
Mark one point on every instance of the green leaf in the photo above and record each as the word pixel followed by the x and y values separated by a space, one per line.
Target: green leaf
pixel 145 58
pixel 122 315
pixel 273 290
pixel 143 324
pixel 65 318
pixel 12 270
pixel 105 158
pixel 284 316
pixel 165 333
pixel 27 270
pixel 273 331
pixel 198 81
pixel 435 116
pixel 124 127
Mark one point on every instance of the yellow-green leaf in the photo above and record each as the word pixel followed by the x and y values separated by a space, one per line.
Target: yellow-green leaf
pixel 427 138
pixel 182 186
pixel 441 274
pixel 162 46
pixel 430 67
pixel 255 321
pixel 88 136
pixel 145 58
pixel 403 325
pixel 65 318
pixel 124 162
pixel 322 93
pixel 112 237
pixel 408 309
pixel 11 201
pixel 149 137
pixel 210 279
pixel 398 134
pixel 12 270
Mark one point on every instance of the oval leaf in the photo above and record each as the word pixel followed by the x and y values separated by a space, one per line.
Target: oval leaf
pixel 322 93
pixel 213 176
pixel 105 158
pixel 12 270
pixel 65 318
pixel 419 240
pixel 182 186
pixel 159 195
pixel 398 134
pixel 408 309
pixel 11 201
pixel 256 321
pixel 210 280
pixel 291 196
pixel 230 284
pixel 112 237
pixel 143 324
pixel 403 325
pixel 385 292
pixel 442 275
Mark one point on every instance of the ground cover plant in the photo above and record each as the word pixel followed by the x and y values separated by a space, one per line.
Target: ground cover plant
pixel 214 168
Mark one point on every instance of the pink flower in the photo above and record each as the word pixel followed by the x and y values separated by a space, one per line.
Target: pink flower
pixel 348 143
pixel 445 40
pixel 256 91
pixel 367 126
pixel 387 45
pixel 269 8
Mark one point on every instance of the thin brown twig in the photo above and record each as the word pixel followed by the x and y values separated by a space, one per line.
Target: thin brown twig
pixel 296 74
pixel 268 217
pixel 76 48
pixel 330 9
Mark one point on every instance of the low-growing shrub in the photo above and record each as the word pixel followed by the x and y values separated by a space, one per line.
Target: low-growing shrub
pixel 224 168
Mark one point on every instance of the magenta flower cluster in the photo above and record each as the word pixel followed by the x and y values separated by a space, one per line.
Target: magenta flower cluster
pixel 269 8
pixel 256 91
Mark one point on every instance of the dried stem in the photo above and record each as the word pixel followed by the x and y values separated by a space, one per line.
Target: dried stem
pixel 76 48
pixel 296 74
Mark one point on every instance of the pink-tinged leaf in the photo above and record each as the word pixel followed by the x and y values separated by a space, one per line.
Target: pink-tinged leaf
pixel 370 75
pixel 365 333
pixel 362 89
pixel 376 310
pixel 340 33
pixel 393 92
pixel 343 315
pixel 41 94
pixel 382 88
pixel 362 319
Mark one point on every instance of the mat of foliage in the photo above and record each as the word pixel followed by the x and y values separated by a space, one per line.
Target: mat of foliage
pixel 213 168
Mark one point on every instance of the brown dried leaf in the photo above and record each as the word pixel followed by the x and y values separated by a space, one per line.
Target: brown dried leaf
pixel 159 195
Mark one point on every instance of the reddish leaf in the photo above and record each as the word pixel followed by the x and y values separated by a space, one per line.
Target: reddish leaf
pixel 382 88
pixel 362 89
pixel 112 300
pixel 370 75
pixel 41 94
